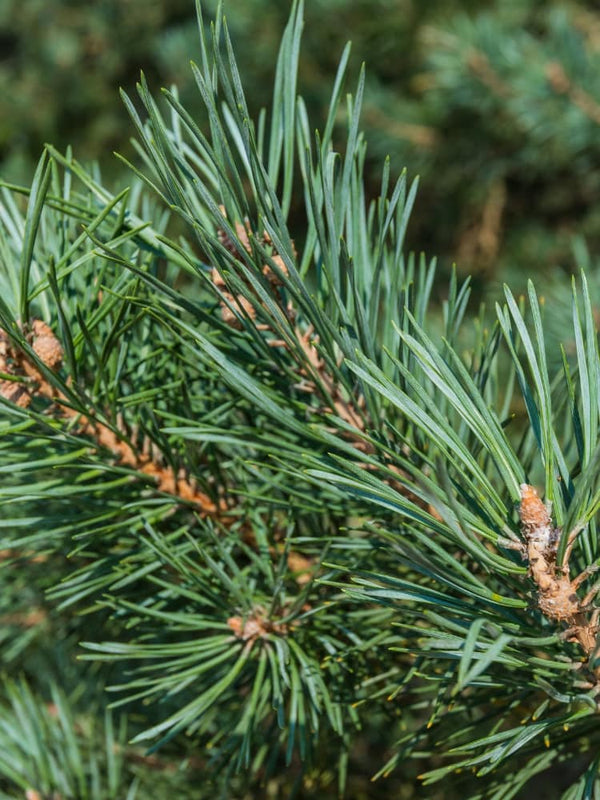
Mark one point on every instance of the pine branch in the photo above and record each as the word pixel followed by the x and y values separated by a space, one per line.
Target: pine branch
pixel 348 525
pixel 15 364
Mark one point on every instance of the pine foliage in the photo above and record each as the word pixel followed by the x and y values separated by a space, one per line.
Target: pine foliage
pixel 281 511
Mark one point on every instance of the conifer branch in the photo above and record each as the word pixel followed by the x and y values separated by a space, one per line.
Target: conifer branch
pixel 24 382
pixel 378 458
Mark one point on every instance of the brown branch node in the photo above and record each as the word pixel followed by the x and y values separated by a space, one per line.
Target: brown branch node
pixel 27 380
pixel 256 625
pixel 557 596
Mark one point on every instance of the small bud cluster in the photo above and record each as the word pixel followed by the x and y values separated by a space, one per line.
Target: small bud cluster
pixel 26 380
pixel 557 596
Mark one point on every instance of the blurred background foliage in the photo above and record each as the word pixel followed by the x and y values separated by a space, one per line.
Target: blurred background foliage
pixel 496 105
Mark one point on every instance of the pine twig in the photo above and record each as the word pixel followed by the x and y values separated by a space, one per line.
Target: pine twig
pixel 24 381
pixel 314 376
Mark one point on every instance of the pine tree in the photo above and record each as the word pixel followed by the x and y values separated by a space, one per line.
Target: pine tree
pixel 272 526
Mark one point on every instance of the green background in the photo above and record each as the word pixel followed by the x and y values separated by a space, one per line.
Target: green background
pixel 496 105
